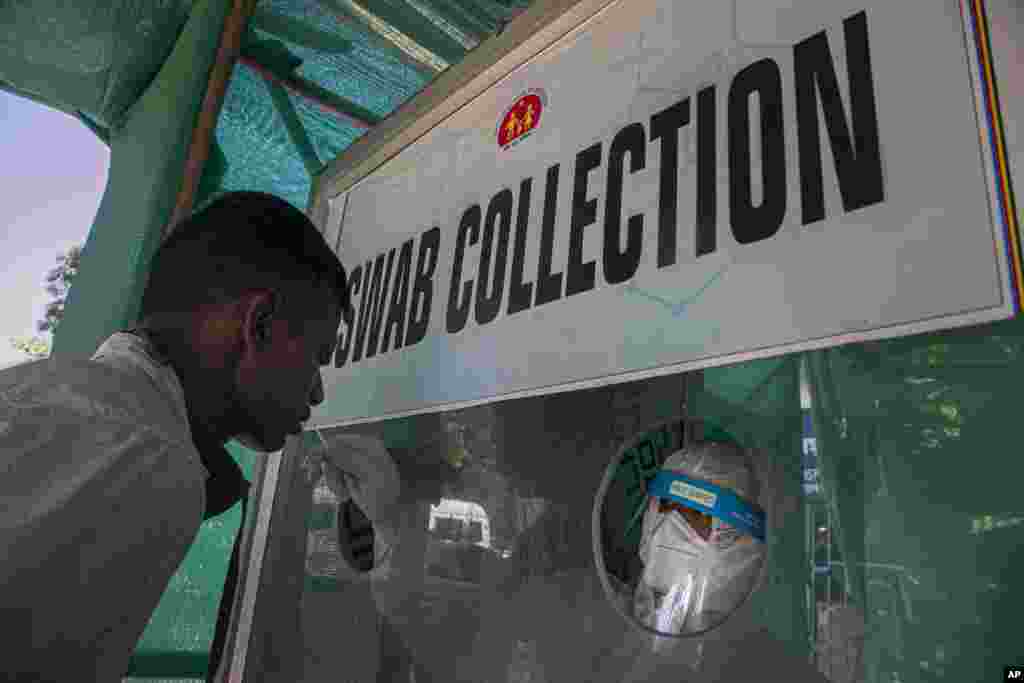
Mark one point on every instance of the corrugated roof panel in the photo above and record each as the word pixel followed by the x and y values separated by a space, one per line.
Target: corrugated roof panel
pixel 330 134
pixel 260 156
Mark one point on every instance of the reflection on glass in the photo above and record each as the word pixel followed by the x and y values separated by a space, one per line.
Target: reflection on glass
pixel 460 521
pixel 898 554
pixel 460 534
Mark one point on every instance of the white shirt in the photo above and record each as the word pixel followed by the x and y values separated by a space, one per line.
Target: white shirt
pixel 101 495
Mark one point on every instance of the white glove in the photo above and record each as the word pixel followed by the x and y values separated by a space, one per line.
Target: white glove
pixel 361 471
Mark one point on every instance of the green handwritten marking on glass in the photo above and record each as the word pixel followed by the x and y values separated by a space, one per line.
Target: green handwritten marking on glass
pixel 677 308
pixel 640 463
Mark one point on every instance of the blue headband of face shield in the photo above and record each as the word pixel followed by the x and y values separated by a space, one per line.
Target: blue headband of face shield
pixel 709 499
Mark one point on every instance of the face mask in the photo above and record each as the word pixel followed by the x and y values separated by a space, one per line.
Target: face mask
pixel 674 580
pixel 690 584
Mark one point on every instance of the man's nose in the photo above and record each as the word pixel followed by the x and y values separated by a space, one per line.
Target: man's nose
pixel 316 395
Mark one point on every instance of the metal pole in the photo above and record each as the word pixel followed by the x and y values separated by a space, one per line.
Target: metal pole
pixel 261 531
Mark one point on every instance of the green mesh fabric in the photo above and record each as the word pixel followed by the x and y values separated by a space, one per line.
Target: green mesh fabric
pixel 335 50
pixel 260 154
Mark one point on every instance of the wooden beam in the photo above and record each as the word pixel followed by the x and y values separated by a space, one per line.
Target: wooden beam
pixel 202 134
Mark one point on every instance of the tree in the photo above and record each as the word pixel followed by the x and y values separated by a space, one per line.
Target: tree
pixel 34 347
pixel 59 284
pixel 58 281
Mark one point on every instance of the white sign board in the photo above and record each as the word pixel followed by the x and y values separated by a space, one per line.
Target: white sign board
pixel 673 186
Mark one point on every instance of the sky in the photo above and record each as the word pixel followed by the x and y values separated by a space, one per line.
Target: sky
pixel 53 171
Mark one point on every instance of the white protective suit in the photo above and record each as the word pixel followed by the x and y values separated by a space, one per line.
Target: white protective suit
pixel 101 495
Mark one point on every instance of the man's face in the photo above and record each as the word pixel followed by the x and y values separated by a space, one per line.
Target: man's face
pixel 278 377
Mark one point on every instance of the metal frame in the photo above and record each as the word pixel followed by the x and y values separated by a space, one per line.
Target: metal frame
pixel 271 580
pixel 254 543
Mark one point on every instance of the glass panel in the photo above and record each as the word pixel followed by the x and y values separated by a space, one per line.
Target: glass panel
pixel 918 530
pixel 894 522
pixel 484 561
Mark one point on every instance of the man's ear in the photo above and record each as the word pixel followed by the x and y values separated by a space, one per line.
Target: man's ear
pixel 260 312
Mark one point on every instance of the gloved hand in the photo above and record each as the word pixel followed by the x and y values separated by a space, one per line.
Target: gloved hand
pixel 360 470
pixel 355 536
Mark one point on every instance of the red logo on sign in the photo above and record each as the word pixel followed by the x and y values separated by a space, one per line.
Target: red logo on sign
pixel 521 119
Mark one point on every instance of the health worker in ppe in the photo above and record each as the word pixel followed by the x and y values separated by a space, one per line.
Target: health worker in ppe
pixel 700 555
pixel 702 544
pixel 111 464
